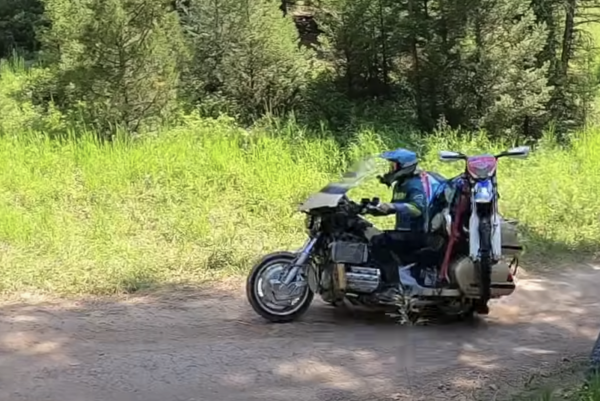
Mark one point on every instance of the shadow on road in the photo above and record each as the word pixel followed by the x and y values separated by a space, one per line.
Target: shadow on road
pixel 208 345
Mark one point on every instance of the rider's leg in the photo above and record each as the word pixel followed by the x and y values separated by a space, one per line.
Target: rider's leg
pixel 382 247
pixel 410 246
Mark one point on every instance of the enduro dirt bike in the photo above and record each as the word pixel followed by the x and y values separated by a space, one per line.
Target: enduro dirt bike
pixel 336 263
pixel 474 225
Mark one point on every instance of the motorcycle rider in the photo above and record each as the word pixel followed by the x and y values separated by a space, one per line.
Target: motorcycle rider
pixel 409 203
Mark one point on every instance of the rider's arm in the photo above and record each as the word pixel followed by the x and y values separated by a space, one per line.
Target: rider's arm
pixel 407 201
pixel 412 205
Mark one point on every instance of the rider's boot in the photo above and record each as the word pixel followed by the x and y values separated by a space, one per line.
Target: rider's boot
pixel 482 308
pixel 390 294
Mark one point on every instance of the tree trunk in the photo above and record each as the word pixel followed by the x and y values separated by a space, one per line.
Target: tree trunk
pixel 479 46
pixel 567 44
pixel 416 66
pixel 384 51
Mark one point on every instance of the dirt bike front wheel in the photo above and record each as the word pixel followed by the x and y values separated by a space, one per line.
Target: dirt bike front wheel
pixel 485 264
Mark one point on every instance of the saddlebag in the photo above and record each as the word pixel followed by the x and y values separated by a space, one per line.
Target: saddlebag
pixel 511 245
pixel 353 253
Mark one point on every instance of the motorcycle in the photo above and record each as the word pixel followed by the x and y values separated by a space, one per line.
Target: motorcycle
pixel 473 223
pixel 335 262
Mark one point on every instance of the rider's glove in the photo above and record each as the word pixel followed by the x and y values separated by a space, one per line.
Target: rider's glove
pixel 381 209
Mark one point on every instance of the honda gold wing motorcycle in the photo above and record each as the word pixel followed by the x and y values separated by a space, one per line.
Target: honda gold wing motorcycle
pixel 335 262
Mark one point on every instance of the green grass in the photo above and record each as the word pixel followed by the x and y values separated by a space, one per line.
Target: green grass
pixel 565 390
pixel 206 198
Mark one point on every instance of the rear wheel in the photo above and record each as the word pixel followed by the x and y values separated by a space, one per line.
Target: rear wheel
pixel 269 297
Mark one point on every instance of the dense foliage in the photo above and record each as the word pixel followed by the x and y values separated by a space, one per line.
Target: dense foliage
pixel 507 66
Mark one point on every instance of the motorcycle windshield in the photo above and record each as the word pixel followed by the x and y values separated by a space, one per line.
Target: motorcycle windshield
pixel 332 193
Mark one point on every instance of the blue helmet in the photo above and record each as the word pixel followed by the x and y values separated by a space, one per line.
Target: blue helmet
pixel 403 163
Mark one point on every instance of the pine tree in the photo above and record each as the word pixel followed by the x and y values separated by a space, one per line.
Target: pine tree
pixel 571 53
pixel 18 22
pixel 360 40
pixel 247 58
pixel 501 84
pixel 117 59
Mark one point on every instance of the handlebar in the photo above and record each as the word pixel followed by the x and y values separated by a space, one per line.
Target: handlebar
pixel 362 207
pixel 520 152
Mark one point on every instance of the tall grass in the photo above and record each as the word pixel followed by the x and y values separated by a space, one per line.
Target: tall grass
pixel 207 198
pixel 567 392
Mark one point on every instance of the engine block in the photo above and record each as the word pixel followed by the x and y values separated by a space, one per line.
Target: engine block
pixel 362 279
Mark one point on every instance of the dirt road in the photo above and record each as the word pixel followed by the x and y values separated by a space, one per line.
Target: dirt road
pixel 211 346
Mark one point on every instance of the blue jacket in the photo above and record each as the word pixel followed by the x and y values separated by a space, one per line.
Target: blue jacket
pixel 409 198
pixel 414 197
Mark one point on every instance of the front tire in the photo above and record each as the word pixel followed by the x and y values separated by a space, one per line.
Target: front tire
pixel 485 265
pixel 266 269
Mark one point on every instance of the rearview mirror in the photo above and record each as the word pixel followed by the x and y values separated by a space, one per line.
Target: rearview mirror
pixel 520 152
pixel 448 156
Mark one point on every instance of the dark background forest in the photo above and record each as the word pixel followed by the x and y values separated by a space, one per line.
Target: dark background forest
pixel 510 67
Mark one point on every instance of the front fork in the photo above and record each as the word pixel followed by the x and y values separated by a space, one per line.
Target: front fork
pixel 474 236
pixel 303 255
pixel 484 244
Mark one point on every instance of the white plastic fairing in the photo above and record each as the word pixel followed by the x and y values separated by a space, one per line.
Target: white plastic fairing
pixel 496 236
pixel 320 200
pixel 474 235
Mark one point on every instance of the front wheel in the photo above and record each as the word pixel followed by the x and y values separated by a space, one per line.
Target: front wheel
pixel 269 297
pixel 485 265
